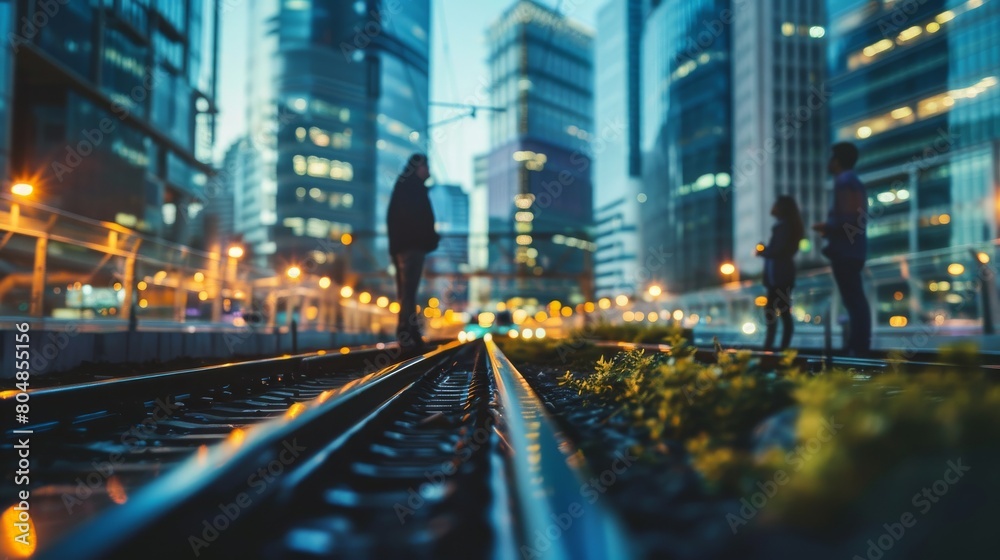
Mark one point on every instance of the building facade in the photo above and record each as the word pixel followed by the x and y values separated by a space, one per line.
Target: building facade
pixel 686 202
pixel 617 167
pixel 918 90
pixel 113 106
pixel 446 268
pixel 338 103
pixel 780 138
pixel 479 232
pixel 539 165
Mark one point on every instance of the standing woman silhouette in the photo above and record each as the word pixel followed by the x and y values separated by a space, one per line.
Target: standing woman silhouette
pixel 779 269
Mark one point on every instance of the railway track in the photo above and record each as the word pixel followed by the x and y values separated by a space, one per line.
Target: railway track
pixel 448 454
pixel 95 443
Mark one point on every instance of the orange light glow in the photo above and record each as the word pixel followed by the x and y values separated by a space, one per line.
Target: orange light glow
pixel 115 490
pixel 236 437
pixel 14 541
pixel 294 410
pixel 22 189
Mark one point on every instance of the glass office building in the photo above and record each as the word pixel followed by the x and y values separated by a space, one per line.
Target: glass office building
pixel 113 108
pixel 339 96
pixel 539 166
pixel 686 205
pixel 445 268
pixel 917 86
pixel 780 134
pixel 617 167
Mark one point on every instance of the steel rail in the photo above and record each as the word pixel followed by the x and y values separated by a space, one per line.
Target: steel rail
pixel 160 519
pixel 59 404
pixel 555 518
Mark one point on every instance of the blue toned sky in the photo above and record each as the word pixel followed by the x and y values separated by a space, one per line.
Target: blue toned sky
pixel 458 69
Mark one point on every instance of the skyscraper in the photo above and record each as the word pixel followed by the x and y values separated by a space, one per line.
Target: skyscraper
pixel 780 104
pixel 540 194
pixel 617 167
pixel 479 231
pixel 338 102
pixel 113 107
pixel 446 267
pixel 917 86
pixel 225 206
pixel 686 203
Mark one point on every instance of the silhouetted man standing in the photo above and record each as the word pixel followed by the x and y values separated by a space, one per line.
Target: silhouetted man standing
pixel 411 237
pixel 847 244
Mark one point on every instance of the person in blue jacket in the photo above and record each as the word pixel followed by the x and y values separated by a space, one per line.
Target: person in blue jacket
pixel 847 244
pixel 779 269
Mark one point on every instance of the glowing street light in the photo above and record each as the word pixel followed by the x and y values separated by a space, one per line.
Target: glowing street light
pixel 325 282
pixel 655 290
pixel 236 252
pixel 294 272
pixel 727 268
pixel 983 258
pixel 22 189
pixel 346 292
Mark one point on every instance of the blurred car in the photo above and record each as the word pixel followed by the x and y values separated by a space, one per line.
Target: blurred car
pixel 499 323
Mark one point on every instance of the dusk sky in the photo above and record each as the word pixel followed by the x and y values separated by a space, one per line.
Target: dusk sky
pixel 457 66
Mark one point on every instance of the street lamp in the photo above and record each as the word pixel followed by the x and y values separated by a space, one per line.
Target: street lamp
pixel 728 270
pixel 235 253
pixel 22 189
pixel 655 291
pixel 294 272
pixel 19 190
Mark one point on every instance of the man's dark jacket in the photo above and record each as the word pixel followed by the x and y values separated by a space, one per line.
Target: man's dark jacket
pixel 410 217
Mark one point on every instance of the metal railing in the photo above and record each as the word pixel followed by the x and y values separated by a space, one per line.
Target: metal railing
pixel 57 266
